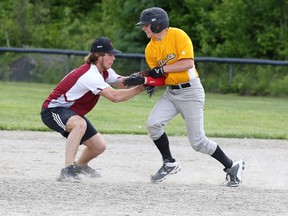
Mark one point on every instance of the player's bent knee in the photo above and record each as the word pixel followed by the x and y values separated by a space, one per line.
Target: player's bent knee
pixel 78 123
pixel 101 148
pixel 96 144
pixel 203 144
pixel 199 145
pixel 155 134
pixel 82 125
pixel 97 149
pixel 149 124
pixel 154 129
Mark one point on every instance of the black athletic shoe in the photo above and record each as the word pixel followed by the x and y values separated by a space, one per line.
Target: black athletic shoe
pixel 87 171
pixel 69 174
pixel 168 168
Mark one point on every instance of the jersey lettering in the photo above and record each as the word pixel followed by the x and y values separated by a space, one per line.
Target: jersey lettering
pixel 167 59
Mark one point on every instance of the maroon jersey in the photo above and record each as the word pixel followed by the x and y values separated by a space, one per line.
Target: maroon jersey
pixel 79 90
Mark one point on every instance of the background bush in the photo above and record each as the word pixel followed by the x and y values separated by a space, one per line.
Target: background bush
pixel 236 29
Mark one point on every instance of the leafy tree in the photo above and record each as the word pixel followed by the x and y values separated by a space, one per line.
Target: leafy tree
pixel 251 28
pixel 238 28
pixel 9 28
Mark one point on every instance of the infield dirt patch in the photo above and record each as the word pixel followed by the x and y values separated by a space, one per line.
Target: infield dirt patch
pixel 31 162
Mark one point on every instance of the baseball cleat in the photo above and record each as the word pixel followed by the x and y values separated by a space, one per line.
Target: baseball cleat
pixel 87 171
pixel 168 168
pixel 234 174
pixel 69 174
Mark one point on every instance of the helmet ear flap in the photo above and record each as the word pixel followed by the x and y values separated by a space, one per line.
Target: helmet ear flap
pixel 156 27
pixel 159 24
pixel 157 17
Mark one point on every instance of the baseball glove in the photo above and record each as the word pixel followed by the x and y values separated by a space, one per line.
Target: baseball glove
pixel 134 80
pixel 149 89
pixel 137 78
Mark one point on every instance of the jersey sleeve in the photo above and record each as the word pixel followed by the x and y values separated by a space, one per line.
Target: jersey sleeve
pixel 94 82
pixel 184 45
pixel 112 76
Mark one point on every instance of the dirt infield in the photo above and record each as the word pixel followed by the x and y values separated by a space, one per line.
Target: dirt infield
pixel 31 162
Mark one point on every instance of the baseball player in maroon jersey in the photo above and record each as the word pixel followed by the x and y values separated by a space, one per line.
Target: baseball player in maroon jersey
pixel 170 56
pixel 75 95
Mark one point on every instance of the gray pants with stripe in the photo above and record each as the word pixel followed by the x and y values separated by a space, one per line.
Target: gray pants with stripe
pixel 189 102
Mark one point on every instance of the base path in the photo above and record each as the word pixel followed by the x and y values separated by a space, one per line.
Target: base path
pixel 31 162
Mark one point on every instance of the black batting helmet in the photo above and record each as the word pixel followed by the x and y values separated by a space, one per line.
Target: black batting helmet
pixel 155 16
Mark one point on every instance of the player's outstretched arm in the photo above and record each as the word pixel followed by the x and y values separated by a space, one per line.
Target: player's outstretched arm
pixel 119 95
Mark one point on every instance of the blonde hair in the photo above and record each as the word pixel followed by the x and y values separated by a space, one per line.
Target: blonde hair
pixel 92 58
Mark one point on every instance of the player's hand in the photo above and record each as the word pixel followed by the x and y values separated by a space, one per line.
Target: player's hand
pixel 150 90
pixel 156 72
pixel 134 80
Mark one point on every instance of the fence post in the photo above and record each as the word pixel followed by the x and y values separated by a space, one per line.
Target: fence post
pixel 68 63
pixel 230 73
pixel 142 64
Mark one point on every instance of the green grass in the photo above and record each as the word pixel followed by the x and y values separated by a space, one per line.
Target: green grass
pixel 225 115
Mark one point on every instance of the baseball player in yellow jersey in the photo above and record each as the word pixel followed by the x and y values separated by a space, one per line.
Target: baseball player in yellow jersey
pixel 178 46
pixel 170 56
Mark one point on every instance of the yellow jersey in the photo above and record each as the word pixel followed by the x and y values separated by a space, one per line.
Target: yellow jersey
pixel 174 46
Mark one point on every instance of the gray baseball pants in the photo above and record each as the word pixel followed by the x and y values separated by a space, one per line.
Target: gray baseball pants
pixel 189 102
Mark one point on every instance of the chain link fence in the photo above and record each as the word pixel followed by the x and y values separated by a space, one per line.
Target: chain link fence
pixel 224 75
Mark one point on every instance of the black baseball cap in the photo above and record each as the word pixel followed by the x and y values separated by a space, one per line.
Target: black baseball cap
pixel 103 44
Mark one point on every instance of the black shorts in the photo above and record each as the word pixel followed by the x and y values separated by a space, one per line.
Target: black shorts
pixel 56 119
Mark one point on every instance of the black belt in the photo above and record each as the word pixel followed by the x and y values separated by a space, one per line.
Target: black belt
pixel 184 85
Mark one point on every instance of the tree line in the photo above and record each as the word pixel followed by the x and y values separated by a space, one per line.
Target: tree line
pixel 218 28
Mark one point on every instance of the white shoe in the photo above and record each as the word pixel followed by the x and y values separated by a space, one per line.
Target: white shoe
pixel 168 168
pixel 234 174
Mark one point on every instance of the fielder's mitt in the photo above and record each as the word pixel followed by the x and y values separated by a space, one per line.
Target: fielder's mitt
pixel 149 89
pixel 137 78
pixel 134 80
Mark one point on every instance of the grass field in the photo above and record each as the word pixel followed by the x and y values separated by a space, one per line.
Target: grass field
pixel 225 115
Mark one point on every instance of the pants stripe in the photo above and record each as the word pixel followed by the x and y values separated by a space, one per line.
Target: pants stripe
pixel 58 120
